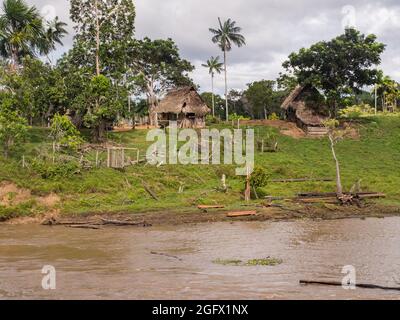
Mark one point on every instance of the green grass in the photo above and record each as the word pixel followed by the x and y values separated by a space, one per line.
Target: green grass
pixel 374 158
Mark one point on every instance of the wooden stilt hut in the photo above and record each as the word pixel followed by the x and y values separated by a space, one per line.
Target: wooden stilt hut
pixel 185 106
pixel 306 107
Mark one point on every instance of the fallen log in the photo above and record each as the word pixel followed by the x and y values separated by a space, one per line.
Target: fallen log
pixel 370 195
pixel 82 226
pixel 122 223
pixel 360 195
pixel 339 284
pixel 318 200
pixel 303 180
pixel 241 214
pixel 205 207
pixel 316 195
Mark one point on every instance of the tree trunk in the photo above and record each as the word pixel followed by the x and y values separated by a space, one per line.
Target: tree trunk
pixel 152 100
pixel 226 88
pixel 99 131
pixel 339 187
pixel 213 98
pixel 14 59
pixel 97 39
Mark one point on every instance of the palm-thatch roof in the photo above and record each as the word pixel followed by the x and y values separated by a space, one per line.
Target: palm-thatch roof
pixel 292 96
pixel 304 113
pixel 183 100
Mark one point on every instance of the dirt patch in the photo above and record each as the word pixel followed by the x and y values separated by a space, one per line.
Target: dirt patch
pixel 49 201
pixel 11 194
pixel 289 129
pixel 39 219
pixel 352 131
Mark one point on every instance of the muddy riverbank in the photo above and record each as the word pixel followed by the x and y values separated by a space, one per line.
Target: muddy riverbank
pixel 194 216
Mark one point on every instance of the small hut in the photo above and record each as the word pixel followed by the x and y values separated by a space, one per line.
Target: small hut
pixel 306 107
pixel 185 106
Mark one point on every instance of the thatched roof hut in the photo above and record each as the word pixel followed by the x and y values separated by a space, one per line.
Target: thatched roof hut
pixel 185 106
pixel 306 107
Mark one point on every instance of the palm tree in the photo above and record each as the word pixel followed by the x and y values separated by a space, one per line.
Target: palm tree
pixel 54 32
pixel 214 66
pixel 227 35
pixel 23 32
pixel 20 28
pixel 389 91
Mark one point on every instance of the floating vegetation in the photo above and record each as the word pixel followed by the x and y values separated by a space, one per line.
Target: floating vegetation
pixel 264 262
pixel 228 262
pixel 250 263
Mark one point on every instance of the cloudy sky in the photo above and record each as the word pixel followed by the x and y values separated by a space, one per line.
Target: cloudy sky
pixel 273 29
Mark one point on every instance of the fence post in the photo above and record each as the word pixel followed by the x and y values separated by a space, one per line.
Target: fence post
pixel 97 158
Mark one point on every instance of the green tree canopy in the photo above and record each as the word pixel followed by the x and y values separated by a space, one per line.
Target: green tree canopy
pixel 260 96
pixel 343 65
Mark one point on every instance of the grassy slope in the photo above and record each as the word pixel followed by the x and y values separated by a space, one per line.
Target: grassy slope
pixel 375 158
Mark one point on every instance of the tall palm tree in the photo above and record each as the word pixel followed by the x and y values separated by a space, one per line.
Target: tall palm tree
pixel 54 32
pixel 20 28
pixel 225 36
pixel 214 66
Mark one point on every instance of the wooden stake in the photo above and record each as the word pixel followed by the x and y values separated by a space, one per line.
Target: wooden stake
pixel 247 193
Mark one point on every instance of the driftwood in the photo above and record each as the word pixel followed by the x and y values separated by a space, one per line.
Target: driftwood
pixel 370 195
pixel 205 207
pixel 122 223
pixel 303 180
pixel 84 226
pixel 360 195
pixel 339 284
pixel 241 214
pixel 166 255
pixel 318 200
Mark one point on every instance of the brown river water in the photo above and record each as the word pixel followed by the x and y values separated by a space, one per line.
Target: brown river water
pixel 117 263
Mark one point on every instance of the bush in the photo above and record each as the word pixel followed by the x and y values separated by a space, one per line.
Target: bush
pixel 259 178
pixel 13 128
pixel 212 120
pixel 273 116
pixel 53 171
pixel 356 111
pixel 64 133
pixel 235 117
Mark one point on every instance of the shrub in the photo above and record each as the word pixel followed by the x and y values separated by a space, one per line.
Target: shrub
pixel 259 178
pixel 13 128
pixel 212 120
pixel 54 171
pixel 356 111
pixel 64 133
pixel 235 117
pixel 273 116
